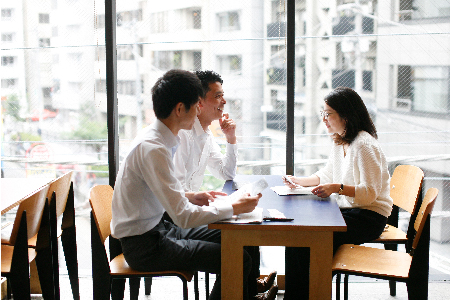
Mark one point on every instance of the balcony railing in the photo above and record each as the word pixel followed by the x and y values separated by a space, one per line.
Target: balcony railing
pixel 277 29
pixel 347 24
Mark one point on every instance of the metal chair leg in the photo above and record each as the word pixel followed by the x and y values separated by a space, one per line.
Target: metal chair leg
pixel 346 287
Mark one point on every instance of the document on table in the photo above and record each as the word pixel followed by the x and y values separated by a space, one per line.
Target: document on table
pixel 254 188
pixel 254 217
pixel 283 190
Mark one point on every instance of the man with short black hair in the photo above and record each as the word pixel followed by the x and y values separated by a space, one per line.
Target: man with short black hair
pixel 146 188
pixel 199 151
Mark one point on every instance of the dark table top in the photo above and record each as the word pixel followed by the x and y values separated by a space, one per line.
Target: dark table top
pixel 309 212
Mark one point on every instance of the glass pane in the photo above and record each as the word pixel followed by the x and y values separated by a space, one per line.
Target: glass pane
pixel 397 59
pixel 193 37
pixel 53 101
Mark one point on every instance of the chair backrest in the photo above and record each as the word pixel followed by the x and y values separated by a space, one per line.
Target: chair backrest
pixel 406 183
pixel 101 200
pixel 34 206
pixel 424 211
pixel 61 187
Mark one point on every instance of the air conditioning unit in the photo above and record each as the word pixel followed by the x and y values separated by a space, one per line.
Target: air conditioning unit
pixel 403 104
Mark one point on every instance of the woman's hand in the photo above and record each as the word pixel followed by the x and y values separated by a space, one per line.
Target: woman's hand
pixel 292 179
pixel 325 190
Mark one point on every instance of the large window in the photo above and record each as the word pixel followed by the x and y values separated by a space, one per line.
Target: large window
pixel 394 53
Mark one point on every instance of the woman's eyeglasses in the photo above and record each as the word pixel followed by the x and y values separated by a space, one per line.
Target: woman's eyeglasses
pixel 325 114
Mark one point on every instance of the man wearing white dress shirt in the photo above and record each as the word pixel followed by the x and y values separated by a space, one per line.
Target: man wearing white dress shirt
pixel 199 151
pixel 146 188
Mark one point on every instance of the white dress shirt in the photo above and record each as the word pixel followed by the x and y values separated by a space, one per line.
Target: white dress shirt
pixel 364 167
pixel 197 152
pixel 146 187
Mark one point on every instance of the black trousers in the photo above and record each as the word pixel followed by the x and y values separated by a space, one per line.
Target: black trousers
pixel 362 226
pixel 169 247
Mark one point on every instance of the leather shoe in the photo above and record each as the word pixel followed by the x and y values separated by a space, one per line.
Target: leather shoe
pixel 271 294
pixel 263 285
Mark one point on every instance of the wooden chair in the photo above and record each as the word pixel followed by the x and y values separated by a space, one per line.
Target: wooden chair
pixel 406 184
pixel 406 187
pixel 61 204
pixel 409 267
pixel 17 255
pixel 62 208
pixel 105 271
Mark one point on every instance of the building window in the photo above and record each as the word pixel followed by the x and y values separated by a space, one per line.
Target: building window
pixel 423 9
pixel 7 37
pixel 166 60
pixel 423 88
pixel 44 18
pixel 126 87
pixel 124 53
pixel 9 83
pixel 197 60
pixel 101 21
pixel 126 17
pixel 230 64
pixel 44 42
pixel 159 22
pixel 197 18
pixel 47 92
pixel 7 60
pixel 229 21
pixel 6 14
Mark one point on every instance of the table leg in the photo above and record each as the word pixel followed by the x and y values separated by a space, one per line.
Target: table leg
pixel 321 259
pixel 232 267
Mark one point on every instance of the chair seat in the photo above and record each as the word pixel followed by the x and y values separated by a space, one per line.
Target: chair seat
pixel 392 235
pixel 7 253
pixel 119 267
pixel 380 263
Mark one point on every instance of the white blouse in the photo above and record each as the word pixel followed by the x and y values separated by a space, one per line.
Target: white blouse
pixel 365 167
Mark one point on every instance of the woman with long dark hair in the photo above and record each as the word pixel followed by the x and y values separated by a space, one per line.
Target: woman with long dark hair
pixel 356 172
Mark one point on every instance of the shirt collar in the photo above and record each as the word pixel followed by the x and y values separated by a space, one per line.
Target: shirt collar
pixel 170 140
pixel 198 129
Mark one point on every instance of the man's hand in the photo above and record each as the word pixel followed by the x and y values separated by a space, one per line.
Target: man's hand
pixel 245 204
pixel 203 198
pixel 228 127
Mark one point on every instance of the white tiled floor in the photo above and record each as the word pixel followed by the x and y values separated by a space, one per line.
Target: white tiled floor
pixel 170 289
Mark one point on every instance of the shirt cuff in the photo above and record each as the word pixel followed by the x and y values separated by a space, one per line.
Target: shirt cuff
pixel 225 210
pixel 232 148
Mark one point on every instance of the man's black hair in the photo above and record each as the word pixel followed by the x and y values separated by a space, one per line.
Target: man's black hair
pixel 207 77
pixel 173 87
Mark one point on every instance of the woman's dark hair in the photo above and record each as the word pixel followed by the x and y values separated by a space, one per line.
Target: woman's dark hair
pixel 173 87
pixel 207 77
pixel 350 107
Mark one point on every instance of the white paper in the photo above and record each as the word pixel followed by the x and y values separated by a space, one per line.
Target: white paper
pixel 283 190
pixel 256 216
pixel 253 189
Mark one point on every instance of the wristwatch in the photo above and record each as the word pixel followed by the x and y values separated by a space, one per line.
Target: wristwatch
pixel 341 189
